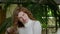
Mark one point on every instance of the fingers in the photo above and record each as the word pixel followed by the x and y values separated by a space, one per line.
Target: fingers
pixel 11 30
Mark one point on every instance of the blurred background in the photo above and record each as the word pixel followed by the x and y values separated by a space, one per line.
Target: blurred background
pixel 46 11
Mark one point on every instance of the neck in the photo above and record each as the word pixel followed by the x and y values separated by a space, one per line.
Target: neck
pixel 27 21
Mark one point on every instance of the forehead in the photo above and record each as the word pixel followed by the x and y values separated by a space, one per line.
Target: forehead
pixel 20 13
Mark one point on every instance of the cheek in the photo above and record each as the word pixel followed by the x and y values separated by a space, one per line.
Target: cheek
pixel 26 16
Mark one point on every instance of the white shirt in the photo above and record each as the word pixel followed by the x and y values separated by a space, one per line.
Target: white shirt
pixel 31 27
pixel 58 31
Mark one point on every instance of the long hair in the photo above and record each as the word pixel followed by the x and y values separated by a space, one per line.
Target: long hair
pixel 15 14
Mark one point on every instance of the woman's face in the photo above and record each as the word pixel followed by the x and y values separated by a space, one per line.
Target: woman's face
pixel 23 17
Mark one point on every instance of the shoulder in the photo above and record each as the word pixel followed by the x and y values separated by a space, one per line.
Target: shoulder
pixel 37 23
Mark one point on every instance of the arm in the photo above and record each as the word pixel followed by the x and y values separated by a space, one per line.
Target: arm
pixel 37 28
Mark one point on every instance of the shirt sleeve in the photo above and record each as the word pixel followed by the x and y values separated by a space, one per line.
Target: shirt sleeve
pixel 37 28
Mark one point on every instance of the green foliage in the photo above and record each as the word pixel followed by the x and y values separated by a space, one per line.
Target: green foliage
pixel 5 24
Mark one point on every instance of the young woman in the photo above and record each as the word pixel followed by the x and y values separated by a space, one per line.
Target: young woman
pixel 24 22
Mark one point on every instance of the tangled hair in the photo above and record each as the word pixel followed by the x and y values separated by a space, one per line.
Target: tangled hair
pixel 15 14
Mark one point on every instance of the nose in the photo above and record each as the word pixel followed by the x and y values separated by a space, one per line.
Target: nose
pixel 23 17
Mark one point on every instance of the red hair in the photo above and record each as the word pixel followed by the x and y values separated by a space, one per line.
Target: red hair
pixel 15 14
